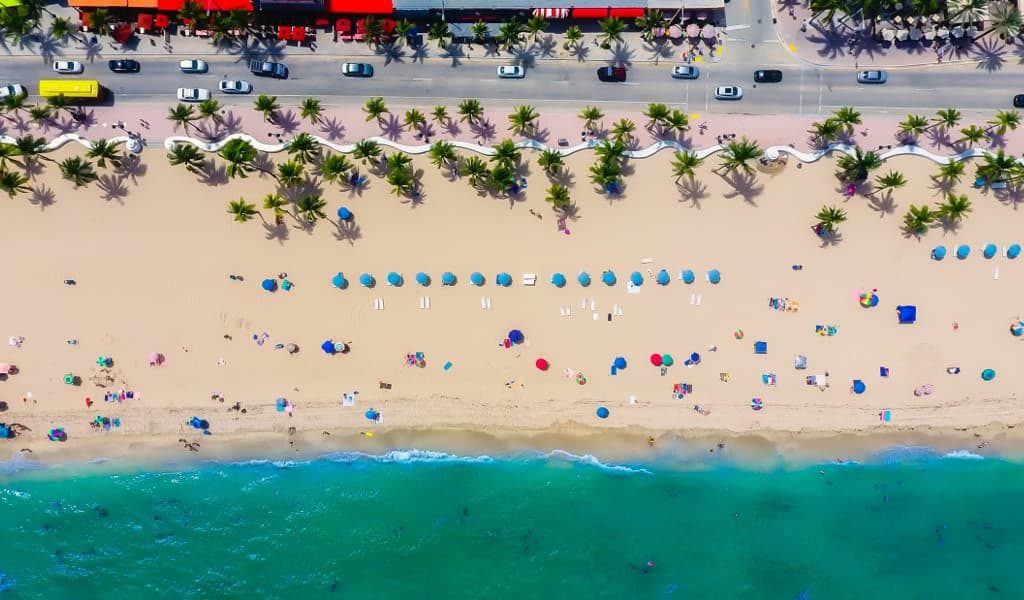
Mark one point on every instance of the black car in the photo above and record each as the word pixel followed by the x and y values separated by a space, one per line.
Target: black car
pixel 767 76
pixel 611 74
pixel 1018 101
pixel 265 68
pixel 124 65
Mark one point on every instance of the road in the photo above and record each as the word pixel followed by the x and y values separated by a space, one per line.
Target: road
pixel 804 90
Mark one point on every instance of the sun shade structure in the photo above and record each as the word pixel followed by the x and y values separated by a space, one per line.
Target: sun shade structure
pixel 858 386
pixel 1013 251
pixel 394 279
pixel 558 280
pixel 583 279
pixel 907 313
pixel 687 276
pixel 476 279
pixel 636 278
pixel 448 278
pixel 608 277
pixel 663 277
pixel 760 347
pixel 714 276
pixel 503 279
pixel 344 214
pixel 602 412
pixel 667 360
pixel 620 362
pixel 338 281
pixel 938 253
pixel 269 285
pixel 516 337
pixel 423 279
pixel 988 375
pixel 963 251
pixel 542 364
pixel 656 360
pixel 366 280
pixel 989 251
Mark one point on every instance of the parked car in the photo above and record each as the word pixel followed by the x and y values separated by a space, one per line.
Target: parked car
pixel 13 89
pixel 357 70
pixel 511 72
pixel 767 76
pixel 611 73
pixel 685 72
pixel 124 65
pixel 68 67
pixel 265 68
pixel 193 65
pixel 234 86
pixel 728 92
pixel 193 94
pixel 1018 100
pixel 871 77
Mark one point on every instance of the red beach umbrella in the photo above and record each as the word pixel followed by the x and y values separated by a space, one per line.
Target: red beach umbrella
pixel 542 364
pixel 656 360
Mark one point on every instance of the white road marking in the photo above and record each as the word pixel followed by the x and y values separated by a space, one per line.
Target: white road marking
pixel 422 79
pixel 736 27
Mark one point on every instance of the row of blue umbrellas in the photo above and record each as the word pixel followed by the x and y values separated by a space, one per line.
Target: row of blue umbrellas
pixel 505 280
pixel 989 251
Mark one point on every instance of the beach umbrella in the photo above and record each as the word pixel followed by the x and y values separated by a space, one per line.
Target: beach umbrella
pixel 395 279
pixel 5 368
pixel 663 277
pixel 269 285
pixel 869 299
pixel 656 359
pixel 447 278
pixel 558 280
pixel 280 404
pixel 338 280
pixel 366 280
pixel 602 412
pixel 542 364
pixel 694 358
pixel 667 360
pixel 989 251
pixel 938 253
pixel 988 375
pixel 687 276
pixel 291 348
pixel 583 278
pixel 692 30
pixel 708 32
pixel 476 279
pixel 963 251
pixel 620 362
pixel 858 386
pixel 1017 328
pixel 156 359
pixel 372 415
pixel 423 279
pixel 714 276
pixel 503 279
pixel 344 213
pixel 636 278
pixel 516 337
pixel 327 346
pixel 608 278
pixel 1013 251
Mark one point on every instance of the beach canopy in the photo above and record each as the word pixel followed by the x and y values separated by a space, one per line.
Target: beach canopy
pixel 583 278
pixel 344 213
pixel 656 360
pixel 907 314
pixel 938 253
pixel 558 280
pixel 687 276
pixel 602 412
pixel 503 279
pixel 963 251
pixel 327 346
pixel 269 285
pixel 542 364
pixel 395 279
pixel 476 278
pixel 667 360
pixel 663 277
pixel 636 278
pixel 338 280
pixel 447 278
pixel 989 251
pixel 1013 251
pixel 516 337
pixel 714 276
pixel 366 280
pixel 608 277
pixel 988 375
pixel 620 362
pixel 858 386
pixel 423 279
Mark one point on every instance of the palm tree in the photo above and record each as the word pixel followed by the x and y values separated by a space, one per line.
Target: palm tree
pixel 829 217
pixel 501 177
pixel 102 151
pixel 439 33
pixel 917 219
pixel 847 117
pixel 241 210
pixel 304 147
pixel 442 154
pixel 1004 20
pixel 656 114
pixel 1005 119
pixel 736 155
pixel 13 182
pixel 677 120
pixel 573 36
pixel 604 174
pixel 365 150
pixel 78 171
pixel 892 180
pixel 967 11
pixel 947 118
pixel 536 26
pixel 611 152
pixel 414 119
pixel 267 106
pixel 476 169
pixel 685 164
pixel 401 181
pixel 824 10
pixel 996 167
pixel 591 115
pixel 403 28
pixel 825 131
pixel 312 110
pixel 289 173
pixel 558 196
pixel 648 22
pixel 192 14
pixel 182 116
pixel 399 160
pixel 510 34
pixel 275 203
pixel 440 115
pixel 955 208
pixel 39 114
pixel 373 30
pixel 240 156
pixel 913 126
pixel 622 130
pixel 188 155
pixel 311 207
pixel 334 167
pixel 7 153
pixel 952 171
pixel 13 103
pixel 100 20
pixel 551 161
pixel 480 31
pixel 31 148
pixel 972 134
pixel 611 31
pixel 210 109
pixel 18 23
pixel 506 153
pixel 60 102
pixel 60 28
pixel 470 110
pixel 522 120
pixel 857 167
pixel 375 109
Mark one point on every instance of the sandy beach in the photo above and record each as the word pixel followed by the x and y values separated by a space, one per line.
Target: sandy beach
pixel 152 262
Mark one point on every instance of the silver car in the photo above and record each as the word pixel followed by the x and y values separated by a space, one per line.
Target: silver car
pixel 871 77
pixel 234 86
pixel 193 65
pixel 728 92
pixel 193 94
pixel 511 72
pixel 685 72
pixel 68 67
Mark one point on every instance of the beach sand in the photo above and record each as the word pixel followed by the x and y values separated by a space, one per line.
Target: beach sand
pixel 152 259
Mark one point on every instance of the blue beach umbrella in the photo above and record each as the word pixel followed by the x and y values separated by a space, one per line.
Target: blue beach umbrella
pixel 938 253
pixel 366 280
pixel 447 278
pixel 602 412
pixel 988 375
pixel 327 346
pixel 423 279
pixel 663 277
pixel 372 415
pixel 395 279
pixel 1013 251
pixel 516 337
pixel 963 251
pixel 583 278
pixel 989 251
pixel 344 213
pixel 858 386
pixel 338 281
pixel 687 276
pixel 608 278
pixel 714 276
pixel 503 279
pixel 620 363
pixel 558 280
pixel 280 404
pixel 636 278
pixel 269 285
pixel 476 278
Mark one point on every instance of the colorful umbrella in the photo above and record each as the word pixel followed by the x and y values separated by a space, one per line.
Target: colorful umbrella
pixel 687 276
pixel 602 412
pixel 447 278
pixel 620 362
pixel 395 279
pixel 366 280
pixel 503 279
pixel 636 278
pixel 714 276
pixel 423 279
pixel 938 253
pixel 667 360
pixel 963 251
pixel 476 279
pixel 989 251
pixel 608 278
pixel 663 277
pixel 542 364
pixel 558 280
pixel 344 213
pixel 338 280
pixel 656 360
pixel 516 337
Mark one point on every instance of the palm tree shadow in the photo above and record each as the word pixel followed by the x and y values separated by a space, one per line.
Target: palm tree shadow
pixel 213 173
pixel 692 191
pixel 744 185
pixel 996 140
pixel 347 231
pixel 569 213
pixel 990 54
pixel 939 136
pixel 42 196
pixel 391 127
pixel 263 163
pixel 547 46
pixel 833 43
pixel 451 127
pixel 659 50
pixel 1011 196
pixel 132 168
pixel 582 51
pixel 231 122
pixel 883 206
pixel 420 53
pixel 484 130
pixel 942 186
pixel 276 231
pixel 564 177
pixel 525 57
pixel 830 238
pixel 332 128
pixel 49 48
pixel 113 187
pixel 622 55
pixel 949 225
pixel 288 121
pixel 455 53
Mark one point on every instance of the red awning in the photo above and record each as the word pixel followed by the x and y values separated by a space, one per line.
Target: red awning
pixel 343 25
pixel 169 5
pixel 145 21
pixel 630 13
pixel 589 13
pixel 283 31
pixel 360 7
pixel 122 33
pixel 298 34
pixel 245 5
pixel 162 21
pixel 551 13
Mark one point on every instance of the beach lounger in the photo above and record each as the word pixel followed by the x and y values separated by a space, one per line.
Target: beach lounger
pixel 924 390
pixel 529 279
pixel 427 299
pixel 423 303
pixel 483 303
pixel 998 185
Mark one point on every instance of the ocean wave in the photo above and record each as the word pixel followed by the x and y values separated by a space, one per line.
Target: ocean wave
pixel 963 454
pixel 411 455
pixel 593 461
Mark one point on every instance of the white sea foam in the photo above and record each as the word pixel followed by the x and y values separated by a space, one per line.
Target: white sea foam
pixel 590 459
pixel 410 455
pixel 963 454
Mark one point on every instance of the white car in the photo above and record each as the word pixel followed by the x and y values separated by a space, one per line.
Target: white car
pixel 193 94
pixel 68 67
pixel 193 65
pixel 728 92
pixel 14 89
pixel 511 72
pixel 236 86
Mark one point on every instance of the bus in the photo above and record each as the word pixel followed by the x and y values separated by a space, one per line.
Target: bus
pixel 72 89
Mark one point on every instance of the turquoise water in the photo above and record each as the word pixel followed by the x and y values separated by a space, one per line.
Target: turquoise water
pixel 424 525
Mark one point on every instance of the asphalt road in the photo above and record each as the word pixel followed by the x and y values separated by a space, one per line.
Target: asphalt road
pixel 804 89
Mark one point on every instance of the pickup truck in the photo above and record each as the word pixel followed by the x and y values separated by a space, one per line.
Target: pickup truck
pixel 265 68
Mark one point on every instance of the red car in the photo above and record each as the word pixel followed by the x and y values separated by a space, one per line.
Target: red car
pixel 611 73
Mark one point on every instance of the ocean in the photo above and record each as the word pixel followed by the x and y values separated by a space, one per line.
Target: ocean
pixel 416 524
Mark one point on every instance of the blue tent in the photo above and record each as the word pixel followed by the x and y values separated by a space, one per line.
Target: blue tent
pixel 938 253
pixel 5 432
pixel 503 279
pixel 636 278
pixel 663 277
pixel 269 285
pixel 344 213
pixel 602 412
pixel 516 337
pixel 963 251
pixel 366 280
pixel 858 386
pixel 608 278
pixel 620 362
pixel 395 279
pixel 423 279
pixel 760 347
pixel 447 278
pixel 558 280
pixel 1013 251
pixel 583 278
pixel 989 251
pixel 687 276
pixel 714 276
pixel 476 278
pixel 327 346
pixel 907 314
pixel 338 281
